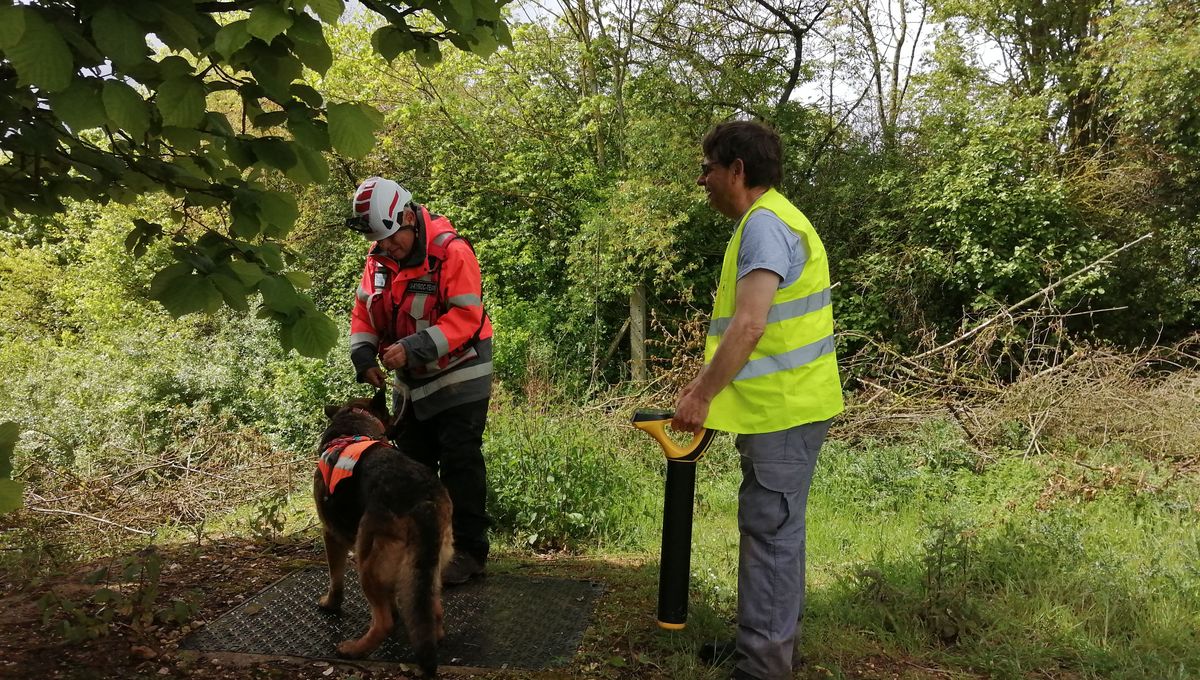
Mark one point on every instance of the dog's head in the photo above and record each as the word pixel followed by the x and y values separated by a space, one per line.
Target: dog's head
pixel 366 417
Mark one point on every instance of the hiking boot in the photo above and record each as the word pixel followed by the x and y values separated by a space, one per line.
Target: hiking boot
pixel 717 652
pixel 462 568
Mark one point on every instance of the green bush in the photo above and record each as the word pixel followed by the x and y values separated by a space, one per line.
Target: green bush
pixel 564 481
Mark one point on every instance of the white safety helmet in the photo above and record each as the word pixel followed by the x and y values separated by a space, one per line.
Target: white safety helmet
pixel 378 206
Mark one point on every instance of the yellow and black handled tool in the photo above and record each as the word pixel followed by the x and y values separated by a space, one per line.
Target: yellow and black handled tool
pixel 678 497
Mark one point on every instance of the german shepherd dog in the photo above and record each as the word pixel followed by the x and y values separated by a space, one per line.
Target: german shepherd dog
pixel 395 513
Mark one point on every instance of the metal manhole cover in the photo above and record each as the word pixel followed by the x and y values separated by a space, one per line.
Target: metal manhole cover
pixel 501 621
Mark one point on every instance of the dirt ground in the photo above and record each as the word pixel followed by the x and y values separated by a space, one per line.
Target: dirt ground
pixel 219 575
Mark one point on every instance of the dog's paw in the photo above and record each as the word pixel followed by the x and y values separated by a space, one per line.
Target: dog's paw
pixel 330 602
pixel 351 649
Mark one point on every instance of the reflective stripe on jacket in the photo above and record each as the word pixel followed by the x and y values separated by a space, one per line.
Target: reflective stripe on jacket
pixel 338 459
pixel 791 377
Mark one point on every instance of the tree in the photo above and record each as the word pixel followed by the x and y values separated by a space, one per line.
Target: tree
pixel 10 491
pixel 889 36
pixel 1042 44
pixel 92 111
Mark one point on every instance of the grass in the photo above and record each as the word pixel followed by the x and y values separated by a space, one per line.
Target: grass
pixel 914 554
pixel 924 553
pixel 921 553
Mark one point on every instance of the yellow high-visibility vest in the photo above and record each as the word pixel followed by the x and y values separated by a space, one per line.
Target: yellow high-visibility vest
pixel 791 377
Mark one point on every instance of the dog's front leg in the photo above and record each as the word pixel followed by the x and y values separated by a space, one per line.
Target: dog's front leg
pixel 335 554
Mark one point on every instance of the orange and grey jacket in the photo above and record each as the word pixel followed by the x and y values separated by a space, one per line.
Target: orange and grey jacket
pixel 432 304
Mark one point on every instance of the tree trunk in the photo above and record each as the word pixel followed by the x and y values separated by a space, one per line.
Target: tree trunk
pixel 637 333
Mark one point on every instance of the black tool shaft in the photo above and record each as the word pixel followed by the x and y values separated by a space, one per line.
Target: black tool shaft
pixel 676 554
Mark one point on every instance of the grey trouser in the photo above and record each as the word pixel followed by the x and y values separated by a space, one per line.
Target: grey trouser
pixel 777 470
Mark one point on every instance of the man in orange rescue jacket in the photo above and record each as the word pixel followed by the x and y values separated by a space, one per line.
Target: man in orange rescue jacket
pixel 419 311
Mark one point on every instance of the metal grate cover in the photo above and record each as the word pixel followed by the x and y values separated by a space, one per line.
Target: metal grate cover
pixel 501 621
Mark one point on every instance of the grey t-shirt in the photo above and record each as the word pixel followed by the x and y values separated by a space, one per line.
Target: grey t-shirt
pixel 768 243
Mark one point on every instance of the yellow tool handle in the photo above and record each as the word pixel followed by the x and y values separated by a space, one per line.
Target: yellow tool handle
pixel 654 422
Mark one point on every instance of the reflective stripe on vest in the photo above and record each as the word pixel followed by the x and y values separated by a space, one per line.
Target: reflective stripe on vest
pixel 781 311
pixel 363 338
pixel 465 301
pixel 791 376
pixel 338 459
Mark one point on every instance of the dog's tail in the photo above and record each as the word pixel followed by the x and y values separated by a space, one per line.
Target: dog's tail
pixel 420 586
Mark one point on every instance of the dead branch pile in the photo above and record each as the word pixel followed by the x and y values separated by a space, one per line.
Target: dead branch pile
pixel 204 472
pixel 1020 373
pixel 1147 400
pixel 1144 401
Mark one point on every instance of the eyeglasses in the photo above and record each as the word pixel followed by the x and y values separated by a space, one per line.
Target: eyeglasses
pixel 706 168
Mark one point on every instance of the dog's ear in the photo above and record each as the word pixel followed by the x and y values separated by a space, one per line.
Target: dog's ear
pixel 331 410
pixel 379 405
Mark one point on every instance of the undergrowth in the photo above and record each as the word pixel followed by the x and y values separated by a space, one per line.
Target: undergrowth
pixel 561 481
pixel 986 571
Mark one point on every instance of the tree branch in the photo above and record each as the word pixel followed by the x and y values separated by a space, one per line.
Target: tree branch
pixel 385 10
pixel 55 511
pixel 218 7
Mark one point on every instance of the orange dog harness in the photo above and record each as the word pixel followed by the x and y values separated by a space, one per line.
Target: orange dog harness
pixel 337 461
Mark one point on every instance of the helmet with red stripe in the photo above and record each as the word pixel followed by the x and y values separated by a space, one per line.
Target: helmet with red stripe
pixel 378 206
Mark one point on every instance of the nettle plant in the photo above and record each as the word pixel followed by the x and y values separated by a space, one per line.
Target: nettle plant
pixel 215 115
pixel 124 595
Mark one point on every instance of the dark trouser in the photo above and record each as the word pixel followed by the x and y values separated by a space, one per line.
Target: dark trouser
pixel 451 444
pixel 777 469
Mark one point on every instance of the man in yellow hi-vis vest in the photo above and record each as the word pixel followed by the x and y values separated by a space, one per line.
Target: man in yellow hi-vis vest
pixel 770 377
